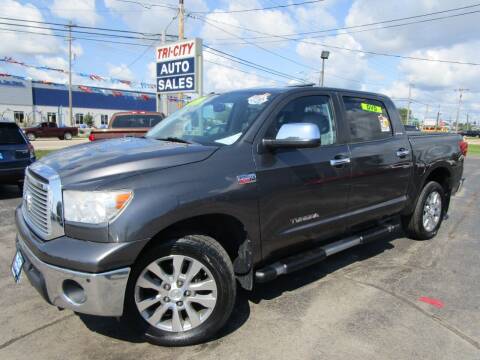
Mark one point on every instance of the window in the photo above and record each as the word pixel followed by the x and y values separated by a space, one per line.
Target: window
pixel 78 119
pixel 103 119
pixel 368 119
pixel 215 119
pixel 309 109
pixel 52 117
pixel 19 117
pixel 10 134
pixel 136 121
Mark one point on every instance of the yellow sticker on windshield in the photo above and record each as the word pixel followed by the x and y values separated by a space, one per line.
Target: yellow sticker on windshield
pixel 371 108
pixel 197 101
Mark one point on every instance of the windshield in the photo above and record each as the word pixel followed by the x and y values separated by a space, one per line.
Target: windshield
pixel 10 134
pixel 215 119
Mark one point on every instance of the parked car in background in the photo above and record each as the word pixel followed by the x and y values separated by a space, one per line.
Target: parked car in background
pixel 50 129
pixel 16 153
pixel 238 188
pixel 135 123
pixel 470 133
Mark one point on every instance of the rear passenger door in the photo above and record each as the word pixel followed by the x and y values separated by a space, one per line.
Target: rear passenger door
pixel 302 194
pixel 381 161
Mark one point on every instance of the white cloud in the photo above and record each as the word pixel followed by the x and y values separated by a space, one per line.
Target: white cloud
pixel 267 22
pixel 154 19
pixel 408 38
pixel 221 76
pixel 15 43
pixel 120 71
pixel 79 11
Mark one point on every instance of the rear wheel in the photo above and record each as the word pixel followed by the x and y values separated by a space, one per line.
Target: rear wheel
pixel 31 136
pixel 429 211
pixel 181 292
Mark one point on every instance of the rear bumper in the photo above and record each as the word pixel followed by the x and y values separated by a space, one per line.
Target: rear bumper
pixel 96 294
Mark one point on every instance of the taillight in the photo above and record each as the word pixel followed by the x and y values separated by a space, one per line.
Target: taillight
pixel 91 137
pixel 463 147
pixel 31 151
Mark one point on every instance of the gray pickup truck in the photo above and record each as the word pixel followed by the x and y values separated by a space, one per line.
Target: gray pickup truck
pixel 233 189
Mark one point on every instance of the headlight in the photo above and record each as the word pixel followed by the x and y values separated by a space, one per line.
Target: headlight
pixel 94 207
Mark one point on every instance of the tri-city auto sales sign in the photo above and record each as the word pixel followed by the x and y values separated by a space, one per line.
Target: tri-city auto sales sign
pixel 178 66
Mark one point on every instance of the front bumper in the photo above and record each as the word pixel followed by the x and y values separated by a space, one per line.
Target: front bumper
pixel 100 269
pixel 96 294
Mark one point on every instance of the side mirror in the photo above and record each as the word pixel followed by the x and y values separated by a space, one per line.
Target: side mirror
pixel 295 135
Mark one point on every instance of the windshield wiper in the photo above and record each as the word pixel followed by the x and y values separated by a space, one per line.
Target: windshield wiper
pixel 174 139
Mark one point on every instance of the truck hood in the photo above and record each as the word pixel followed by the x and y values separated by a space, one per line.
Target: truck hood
pixel 121 157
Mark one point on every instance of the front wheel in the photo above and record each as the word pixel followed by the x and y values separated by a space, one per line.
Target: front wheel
pixel 181 292
pixel 429 211
pixel 31 136
pixel 67 136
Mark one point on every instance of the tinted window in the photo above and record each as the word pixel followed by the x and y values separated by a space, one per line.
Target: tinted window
pixel 10 134
pixel 136 121
pixel 368 119
pixel 309 109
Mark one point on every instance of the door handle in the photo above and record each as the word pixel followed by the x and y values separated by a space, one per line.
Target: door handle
pixel 338 162
pixel 402 152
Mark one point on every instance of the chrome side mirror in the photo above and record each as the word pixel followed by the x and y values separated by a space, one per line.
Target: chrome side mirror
pixel 295 135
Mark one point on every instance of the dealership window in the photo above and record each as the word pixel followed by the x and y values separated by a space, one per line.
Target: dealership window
pixel 19 117
pixel 78 119
pixel 103 119
pixel 52 117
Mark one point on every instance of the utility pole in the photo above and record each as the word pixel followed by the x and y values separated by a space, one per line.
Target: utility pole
pixel 164 97
pixel 181 34
pixel 460 90
pixel 438 117
pixel 467 123
pixel 409 102
pixel 70 111
pixel 426 113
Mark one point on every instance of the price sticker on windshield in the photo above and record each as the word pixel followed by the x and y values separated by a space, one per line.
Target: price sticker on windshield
pixel 371 108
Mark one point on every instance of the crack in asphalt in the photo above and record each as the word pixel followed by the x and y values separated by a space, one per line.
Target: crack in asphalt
pixel 20 337
pixel 434 317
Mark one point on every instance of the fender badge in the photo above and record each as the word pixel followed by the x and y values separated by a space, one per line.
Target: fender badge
pixel 247 179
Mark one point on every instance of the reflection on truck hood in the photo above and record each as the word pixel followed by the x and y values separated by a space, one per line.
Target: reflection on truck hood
pixel 123 156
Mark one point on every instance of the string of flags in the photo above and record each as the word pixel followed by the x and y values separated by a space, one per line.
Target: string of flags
pixel 94 77
pixel 91 90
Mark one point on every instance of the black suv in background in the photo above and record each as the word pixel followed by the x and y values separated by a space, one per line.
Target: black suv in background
pixel 16 153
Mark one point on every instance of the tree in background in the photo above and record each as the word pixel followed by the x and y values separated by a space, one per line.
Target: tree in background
pixel 403 114
pixel 88 120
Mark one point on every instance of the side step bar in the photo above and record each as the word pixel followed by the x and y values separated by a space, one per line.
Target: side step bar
pixel 310 257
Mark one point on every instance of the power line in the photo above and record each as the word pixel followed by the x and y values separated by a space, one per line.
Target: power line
pixel 82 27
pixel 78 31
pixel 354 26
pixel 256 9
pixel 240 70
pixel 344 48
pixel 296 62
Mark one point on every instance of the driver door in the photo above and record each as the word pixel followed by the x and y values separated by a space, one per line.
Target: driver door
pixel 303 195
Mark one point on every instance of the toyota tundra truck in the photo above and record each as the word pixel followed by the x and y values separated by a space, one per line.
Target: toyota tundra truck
pixel 236 189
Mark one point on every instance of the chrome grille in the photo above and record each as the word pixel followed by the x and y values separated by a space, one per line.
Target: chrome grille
pixel 42 205
pixel 36 205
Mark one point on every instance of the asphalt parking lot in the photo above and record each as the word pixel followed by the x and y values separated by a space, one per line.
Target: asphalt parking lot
pixel 363 304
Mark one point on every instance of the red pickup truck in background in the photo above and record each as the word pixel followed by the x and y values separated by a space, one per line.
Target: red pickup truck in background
pixel 50 129
pixel 135 123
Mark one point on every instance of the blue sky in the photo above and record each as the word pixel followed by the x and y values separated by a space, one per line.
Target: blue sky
pixel 456 38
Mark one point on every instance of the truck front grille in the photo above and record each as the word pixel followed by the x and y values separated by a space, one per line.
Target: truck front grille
pixel 42 205
pixel 36 205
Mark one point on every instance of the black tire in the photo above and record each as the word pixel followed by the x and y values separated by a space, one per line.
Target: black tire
pixel 212 255
pixel 413 224
pixel 67 136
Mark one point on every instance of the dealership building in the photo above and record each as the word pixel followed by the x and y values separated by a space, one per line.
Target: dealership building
pixel 30 102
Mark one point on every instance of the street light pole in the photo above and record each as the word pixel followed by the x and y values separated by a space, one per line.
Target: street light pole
pixel 324 57
pixel 70 106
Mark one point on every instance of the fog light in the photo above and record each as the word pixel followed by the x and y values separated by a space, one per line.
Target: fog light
pixel 74 292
